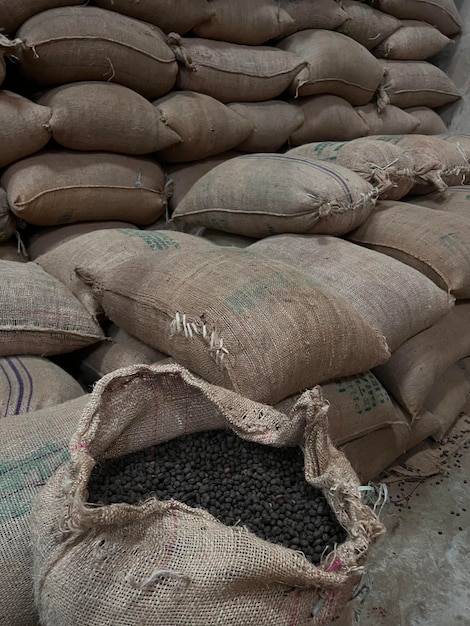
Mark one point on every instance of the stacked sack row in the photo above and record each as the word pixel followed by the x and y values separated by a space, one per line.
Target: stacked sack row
pixel 146 106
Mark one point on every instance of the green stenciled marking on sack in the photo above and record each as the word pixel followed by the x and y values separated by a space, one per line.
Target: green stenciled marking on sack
pixel 154 240
pixel 20 477
pixel 329 145
pixel 365 391
pixel 467 197
pixel 254 291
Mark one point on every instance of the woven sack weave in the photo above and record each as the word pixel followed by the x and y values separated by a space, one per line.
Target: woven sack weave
pixel 453 200
pixel 14 14
pixel 389 121
pixel 390 296
pixel 226 313
pixel 440 13
pixel 366 25
pixel 413 41
pixel 430 122
pixel 84 43
pixel 167 562
pixel 264 194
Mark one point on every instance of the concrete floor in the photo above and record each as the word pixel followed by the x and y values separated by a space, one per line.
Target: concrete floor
pixel 419 572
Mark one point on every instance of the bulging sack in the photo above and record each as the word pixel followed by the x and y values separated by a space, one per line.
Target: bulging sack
pixel 430 122
pixel 440 13
pixel 107 117
pixel 226 313
pixel 385 166
pixel 179 16
pixel 453 199
pixel 264 194
pixel 25 385
pixel 32 446
pixel 13 15
pixel 327 118
pixel 39 316
pixel 413 41
pixel 336 64
pixel 233 73
pixel 434 242
pixel 84 43
pixel 390 296
pixel 366 25
pixel 389 121
pixel 204 125
pixel 61 187
pixel 195 565
pixel 24 127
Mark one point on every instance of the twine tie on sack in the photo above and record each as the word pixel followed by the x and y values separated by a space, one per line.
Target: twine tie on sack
pixel 180 325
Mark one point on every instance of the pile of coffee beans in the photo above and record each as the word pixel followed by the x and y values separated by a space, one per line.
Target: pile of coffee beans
pixel 237 481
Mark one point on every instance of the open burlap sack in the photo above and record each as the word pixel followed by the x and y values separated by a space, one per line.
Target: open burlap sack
pixel 44 240
pixel 226 313
pixel 72 44
pixel 388 168
pixel 39 315
pixel 449 396
pixel 62 186
pixel 106 117
pixel 415 83
pixel 327 118
pixel 121 351
pixel 13 15
pixel 24 127
pixel 167 562
pixel 413 41
pixel 103 250
pixel 32 383
pixel 440 13
pixel 388 121
pixel 257 195
pixel 204 125
pixel 32 446
pixel 417 365
pixel 390 296
pixel 430 122
pixel 179 16
pixel 434 242
pixel 273 122
pixel 231 72
pixel 453 200
pixel 366 25
pixel 182 176
pixel 336 64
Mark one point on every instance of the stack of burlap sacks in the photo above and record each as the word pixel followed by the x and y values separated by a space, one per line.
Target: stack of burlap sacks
pixel 262 120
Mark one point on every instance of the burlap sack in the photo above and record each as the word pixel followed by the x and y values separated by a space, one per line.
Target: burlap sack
pixel 183 176
pixel 453 199
pixel 273 123
pixel 327 118
pixel 440 13
pixel 385 166
pixel 413 41
pixel 250 22
pixel 204 125
pixel 33 446
pixel 87 43
pixel 418 364
pixel 226 239
pixel 107 117
pixel 430 122
pixel 8 221
pixel 60 187
pixel 415 83
pixel 31 383
pixel 39 315
pixel 438 163
pixel 394 298
pixel 46 239
pixel 336 64
pixel 104 250
pixel 328 14
pixel 366 25
pixel 461 141
pixel 264 194
pixel 179 16
pixel 11 251
pixel 24 127
pixel 233 73
pixel 121 351
pixel 14 14
pixel 227 313
pixel 389 121
pixel 449 396
pixel 434 242
pixel 247 580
